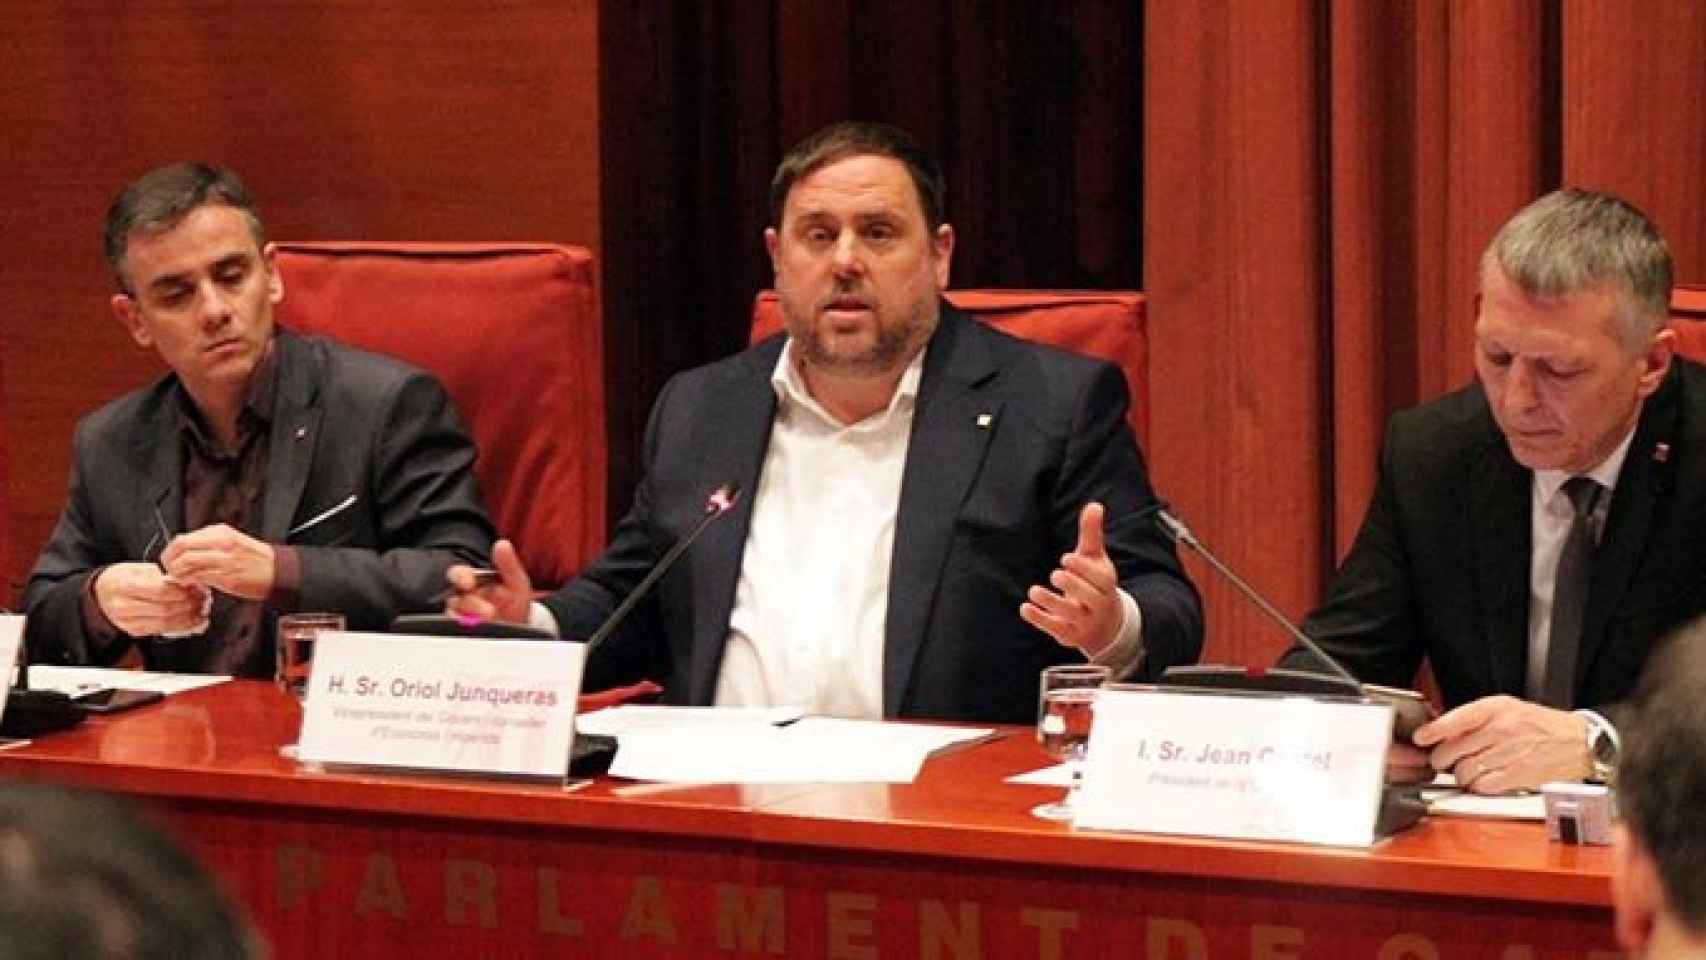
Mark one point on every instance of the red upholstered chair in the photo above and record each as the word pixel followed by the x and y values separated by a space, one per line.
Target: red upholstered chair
pixel 512 331
pixel 1110 325
pixel 1688 319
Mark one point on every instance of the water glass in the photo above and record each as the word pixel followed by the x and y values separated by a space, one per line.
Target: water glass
pixel 296 635
pixel 1065 703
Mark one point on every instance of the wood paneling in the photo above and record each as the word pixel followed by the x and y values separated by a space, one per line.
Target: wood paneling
pixel 351 863
pixel 445 121
pixel 1233 261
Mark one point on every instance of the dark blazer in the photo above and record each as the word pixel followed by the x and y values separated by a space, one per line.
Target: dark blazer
pixel 1440 566
pixel 985 511
pixel 344 422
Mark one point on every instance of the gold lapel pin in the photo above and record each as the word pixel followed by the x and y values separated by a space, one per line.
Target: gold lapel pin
pixel 984 420
pixel 301 432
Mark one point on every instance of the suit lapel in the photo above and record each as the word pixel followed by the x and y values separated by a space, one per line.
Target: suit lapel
pixel 295 432
pixel 1501 500
pixel 1642 484
pixel 732 452
pixel 950 434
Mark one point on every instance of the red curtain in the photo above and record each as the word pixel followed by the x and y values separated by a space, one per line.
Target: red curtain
pixel 1319 181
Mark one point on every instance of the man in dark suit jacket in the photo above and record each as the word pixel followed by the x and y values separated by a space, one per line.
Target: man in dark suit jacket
pixel 907 474
pixel 266 473
pixel 1457 559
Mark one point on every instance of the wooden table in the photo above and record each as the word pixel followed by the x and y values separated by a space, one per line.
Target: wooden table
pixel 952 866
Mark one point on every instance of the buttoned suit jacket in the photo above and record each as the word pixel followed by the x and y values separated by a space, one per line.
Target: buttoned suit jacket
pixel 1009 440
pixel 345 424
pixel 1440 567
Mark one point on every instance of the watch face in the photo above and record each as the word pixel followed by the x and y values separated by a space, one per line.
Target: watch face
pixel 1604 748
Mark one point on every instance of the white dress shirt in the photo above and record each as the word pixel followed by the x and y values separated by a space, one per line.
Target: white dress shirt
pixel 807 628
pixel 1551 516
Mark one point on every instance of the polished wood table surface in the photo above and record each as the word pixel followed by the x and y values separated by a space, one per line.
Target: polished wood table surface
pixel 348 863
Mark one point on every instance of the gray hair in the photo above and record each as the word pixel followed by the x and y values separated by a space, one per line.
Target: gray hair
pixel 1574 240
pixel 165 195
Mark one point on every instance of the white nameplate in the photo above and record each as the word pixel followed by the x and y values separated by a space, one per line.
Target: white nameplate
pixel 11 637
pixel 442 703
pixel 1236 766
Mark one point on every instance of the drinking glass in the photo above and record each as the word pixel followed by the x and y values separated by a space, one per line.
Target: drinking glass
pixel 296 635
pixel 1064 711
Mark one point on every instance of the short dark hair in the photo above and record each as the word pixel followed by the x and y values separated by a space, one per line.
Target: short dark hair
pixel 163 196
pixel 82 875
pixel 862 139
pixel 1661 775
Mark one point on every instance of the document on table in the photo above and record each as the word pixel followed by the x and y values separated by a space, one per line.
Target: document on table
pixel 1444 799
pixel 1058 775
pixel 634 717
pixel 77 680
pixel 812 750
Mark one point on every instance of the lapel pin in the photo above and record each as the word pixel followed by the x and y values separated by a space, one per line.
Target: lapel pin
pixel 1661 453
pixel 984 420
pixel 301 432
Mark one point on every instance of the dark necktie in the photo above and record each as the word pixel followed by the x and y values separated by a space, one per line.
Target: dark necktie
pixel 1570 595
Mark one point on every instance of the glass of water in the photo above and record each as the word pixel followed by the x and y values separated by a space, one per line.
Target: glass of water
pixel 296 635
pixel 1065 700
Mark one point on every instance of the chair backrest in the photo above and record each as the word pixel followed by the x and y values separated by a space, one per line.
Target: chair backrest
pixel 512 331
pixel 1688 319
pixel 1110 325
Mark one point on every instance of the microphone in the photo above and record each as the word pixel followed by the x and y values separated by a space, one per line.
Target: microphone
pixel 1410 709
pixel 721 501
pixel 33 713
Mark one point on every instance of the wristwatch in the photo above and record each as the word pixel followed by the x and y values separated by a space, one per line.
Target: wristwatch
pixel 1603 747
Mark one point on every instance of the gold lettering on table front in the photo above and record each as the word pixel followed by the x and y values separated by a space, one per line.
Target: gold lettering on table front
pixel 849 919
pixel 470 883
pixel 749 929
pixel 938 932
pixel 551 917
pixel 1408 946
pixel 1518 951
pixel 1162 934
pixel 1276 943
pixel 297 870
pixel 648 912
pixel 1051 926
pixel 381 891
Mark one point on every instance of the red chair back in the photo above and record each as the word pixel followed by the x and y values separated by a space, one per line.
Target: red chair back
pixel 1109 325
pixel 512 332
pixel 1688 319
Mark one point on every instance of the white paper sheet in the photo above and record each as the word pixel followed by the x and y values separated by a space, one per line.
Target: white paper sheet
pixel 631 718
pixel 1059 775
pixel 813 750
pixel 1444 799
pixel 76 680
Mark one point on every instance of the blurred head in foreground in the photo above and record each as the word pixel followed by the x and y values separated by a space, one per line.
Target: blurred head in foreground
pixel 83 876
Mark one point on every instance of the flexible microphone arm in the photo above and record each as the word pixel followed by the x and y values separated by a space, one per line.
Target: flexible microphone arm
pixel 721 501
pixel 1179 533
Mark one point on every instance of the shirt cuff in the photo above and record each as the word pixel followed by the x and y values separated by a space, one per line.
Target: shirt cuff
pixel 539 618
pixel 96 626
pixel 286 592
pixel 1122 656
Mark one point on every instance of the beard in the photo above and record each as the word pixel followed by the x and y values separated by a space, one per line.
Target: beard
pixel 879 351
